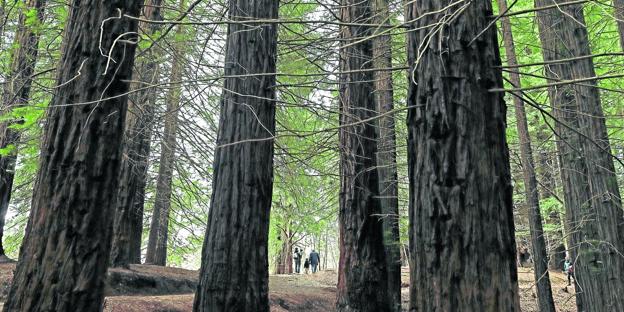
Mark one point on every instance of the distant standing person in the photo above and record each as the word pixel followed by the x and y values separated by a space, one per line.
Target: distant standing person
pixel 315 259
pixel 306 266
pixel 568 268
pixel 297 257
pixel 524 257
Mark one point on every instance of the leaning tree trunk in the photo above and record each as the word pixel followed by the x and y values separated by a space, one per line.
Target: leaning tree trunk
pixel 461 217
pixel 234 274
pixel 386 154
pixel 540 256
pixel 128 226
pixel 16 93
pixel 66 248
pixel 159 229
pixel 596 222
pixel 362 278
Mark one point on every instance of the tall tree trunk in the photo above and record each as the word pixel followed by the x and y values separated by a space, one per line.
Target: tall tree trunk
pixel 137 138
pixel 157 243
pixel 159 229
pixel 589 181
pixel 362 278
pixel 16 93
pixel 548 168
pixel 546 164
pixel 234 273
pixel 386 154
pixel 325 249
pixel 285 265
pixel 538 243
pixel 461 217
pixel 66 248
pixel 619 18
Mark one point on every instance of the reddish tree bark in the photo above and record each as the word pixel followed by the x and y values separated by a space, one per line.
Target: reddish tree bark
pixel 363 276
pixel 285 260
pixel 593 203
pixel 137 137
pixel 538 243
pixel 461 216
pixel 234 274
pixel 66 248
pixel 386 154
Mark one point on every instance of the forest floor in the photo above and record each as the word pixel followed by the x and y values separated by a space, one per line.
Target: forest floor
pixel 145 288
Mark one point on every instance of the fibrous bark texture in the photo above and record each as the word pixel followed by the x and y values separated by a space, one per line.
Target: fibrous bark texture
pixel 461 217
pixel 137 137
pixel 16 93
pixel 234 271
pixel 386 154
pixel 362 278
pixel 595 223
pixel 65 253
pixel 538 243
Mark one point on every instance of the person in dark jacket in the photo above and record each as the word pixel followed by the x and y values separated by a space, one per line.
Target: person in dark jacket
pixel 568 269
pixel 306 266
pixel 315 259
pixel 297 258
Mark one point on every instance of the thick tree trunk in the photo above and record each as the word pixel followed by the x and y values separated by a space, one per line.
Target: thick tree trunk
pixel 538 243
pixel 159 229
pixel 16 93
pixel 386 154
pixel 596 223
pixel 362 278
pixel 234 273
pixel 461 217
pixel 137 137
pixel 66 248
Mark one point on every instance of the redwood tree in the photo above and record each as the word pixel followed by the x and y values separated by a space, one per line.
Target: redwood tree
pixel 461 217
pixel 159 229
pixel 363 276
pixel 137 137
pixel 386 154
pixel 593 204
pixel 66 248
pixel 16 93
pixel 538 243
pixel 234 271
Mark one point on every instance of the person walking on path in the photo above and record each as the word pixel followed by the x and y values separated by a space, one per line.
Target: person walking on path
pixel 315 259
pixel 306 266
pixel 297 258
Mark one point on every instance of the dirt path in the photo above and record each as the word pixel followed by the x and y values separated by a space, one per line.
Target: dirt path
pixel 562 294
pixel 298 293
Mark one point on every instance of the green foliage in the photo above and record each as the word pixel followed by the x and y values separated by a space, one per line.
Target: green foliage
pixel 31 19
pixel 8 150
pixel 24 117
